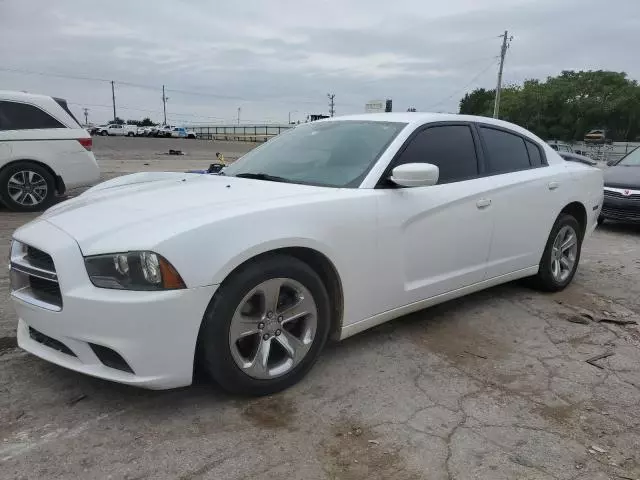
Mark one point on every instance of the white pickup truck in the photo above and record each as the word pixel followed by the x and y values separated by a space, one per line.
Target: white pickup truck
pixel 117 129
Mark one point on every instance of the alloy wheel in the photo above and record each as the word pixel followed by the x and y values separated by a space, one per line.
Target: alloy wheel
pixel 273 328
pixel 27 188
pixel 564 253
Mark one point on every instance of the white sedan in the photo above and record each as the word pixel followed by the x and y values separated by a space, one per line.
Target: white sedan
pixel 324 231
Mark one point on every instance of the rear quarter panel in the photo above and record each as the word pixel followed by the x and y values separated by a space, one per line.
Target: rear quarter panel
pixel 587 187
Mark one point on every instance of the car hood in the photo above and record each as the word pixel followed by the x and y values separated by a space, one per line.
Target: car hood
pixel 139 202
pixel 622 177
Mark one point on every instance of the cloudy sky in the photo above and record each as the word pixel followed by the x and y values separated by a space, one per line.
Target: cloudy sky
pixel 269 58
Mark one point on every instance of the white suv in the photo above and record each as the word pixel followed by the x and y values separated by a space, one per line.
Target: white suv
pixel 43 151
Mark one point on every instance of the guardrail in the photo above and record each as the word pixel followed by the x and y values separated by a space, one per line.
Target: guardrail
pixel 239 133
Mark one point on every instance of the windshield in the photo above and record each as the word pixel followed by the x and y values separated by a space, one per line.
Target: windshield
pixel 333 154
pixel 632 159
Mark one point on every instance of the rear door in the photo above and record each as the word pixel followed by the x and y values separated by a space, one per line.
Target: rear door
pixel 524 195
pixel 434 239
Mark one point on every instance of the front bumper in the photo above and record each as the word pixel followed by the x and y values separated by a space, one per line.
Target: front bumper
pixel 154 332
pixel 621 209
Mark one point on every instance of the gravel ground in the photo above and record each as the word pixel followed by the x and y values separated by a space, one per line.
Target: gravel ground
pixel 492 386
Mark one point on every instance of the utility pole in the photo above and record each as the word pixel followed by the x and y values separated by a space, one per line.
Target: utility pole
pixel 86 115
pixel 164 105
pixel 503 52
pixel 332 104
pixel 113 98
pixel 292 111
pixel 238 115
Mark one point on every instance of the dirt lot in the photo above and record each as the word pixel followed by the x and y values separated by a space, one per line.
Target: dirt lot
pixel 492 386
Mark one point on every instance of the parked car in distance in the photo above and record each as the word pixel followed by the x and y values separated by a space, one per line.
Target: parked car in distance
pixel 597 137
pixel 143 131
pixel 182 132
pixel 337 226
pixel 566 151
pixel 622 189
pixel 164 131
pixel 43 151
pixel 116 129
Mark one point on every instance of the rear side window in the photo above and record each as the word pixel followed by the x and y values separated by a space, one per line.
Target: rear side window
pixel 22 116
pixel 450 147
pixel 506 152
pixel 535 156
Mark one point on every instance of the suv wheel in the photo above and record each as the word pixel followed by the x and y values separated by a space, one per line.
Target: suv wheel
pixel 104 133
pixel 265 327
pixel 26 187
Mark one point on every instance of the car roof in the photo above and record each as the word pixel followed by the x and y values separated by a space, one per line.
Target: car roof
pixel 420 118
pixel 24 96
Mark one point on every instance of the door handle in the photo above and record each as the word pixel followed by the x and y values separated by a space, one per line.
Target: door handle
pixel 483 203
pixel 553 185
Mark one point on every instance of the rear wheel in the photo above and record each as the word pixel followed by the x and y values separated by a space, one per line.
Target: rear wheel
pixel 130 134
pixel 561 255
pixel 265 327
pixel 26 187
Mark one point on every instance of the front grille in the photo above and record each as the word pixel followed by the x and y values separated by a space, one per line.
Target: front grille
pixel 49 342
pixel 612 194
pixel 40 259
pixel 46 290
pixel 34 278
pixel 623 214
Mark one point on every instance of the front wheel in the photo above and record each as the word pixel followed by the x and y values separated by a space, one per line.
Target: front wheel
pixel 104 133
pixel 130 134
pixel 601 220
pixel 561 255
pixel 265 327
pixel 27 187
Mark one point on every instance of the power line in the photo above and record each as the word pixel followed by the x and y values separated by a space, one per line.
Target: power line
pixel 466 86
pixel 157 87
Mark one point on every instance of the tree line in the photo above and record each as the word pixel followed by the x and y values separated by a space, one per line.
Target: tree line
pixel 145 122
pixel 568 106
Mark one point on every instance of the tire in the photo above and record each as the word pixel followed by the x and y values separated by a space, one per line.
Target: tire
pixel 221 357
pixel 104 133
pixel 546 280
pixel 601 219
pixel 131 134
pixel 40 191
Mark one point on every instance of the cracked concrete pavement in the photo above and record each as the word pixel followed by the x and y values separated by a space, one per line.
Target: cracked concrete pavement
pixel 491 386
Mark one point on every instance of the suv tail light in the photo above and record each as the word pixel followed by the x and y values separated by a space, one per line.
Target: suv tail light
pixel 87 143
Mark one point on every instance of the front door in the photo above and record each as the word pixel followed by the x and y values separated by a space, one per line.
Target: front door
pixel 434 239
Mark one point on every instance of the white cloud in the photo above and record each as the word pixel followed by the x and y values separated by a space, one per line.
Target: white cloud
pixel 278 56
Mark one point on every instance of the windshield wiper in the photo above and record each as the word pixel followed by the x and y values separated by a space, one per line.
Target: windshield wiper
pixel 263 176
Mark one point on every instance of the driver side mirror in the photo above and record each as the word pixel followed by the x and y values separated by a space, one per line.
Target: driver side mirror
pixel 415 175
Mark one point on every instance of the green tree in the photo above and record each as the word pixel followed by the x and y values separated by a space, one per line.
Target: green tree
pixel 567 106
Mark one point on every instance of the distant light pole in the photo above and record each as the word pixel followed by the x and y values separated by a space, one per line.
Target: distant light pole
pixel 292 111
pixel 86 115
pixel 238 115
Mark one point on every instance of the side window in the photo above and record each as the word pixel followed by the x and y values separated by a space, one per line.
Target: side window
pixel 535 156
pixel 450 147
pixel 22 116
pixel 506 152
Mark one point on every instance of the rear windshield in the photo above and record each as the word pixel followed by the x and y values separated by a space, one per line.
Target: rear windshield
pixel 63 104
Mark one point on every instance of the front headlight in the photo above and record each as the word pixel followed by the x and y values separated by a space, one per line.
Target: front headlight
pixel 133 271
